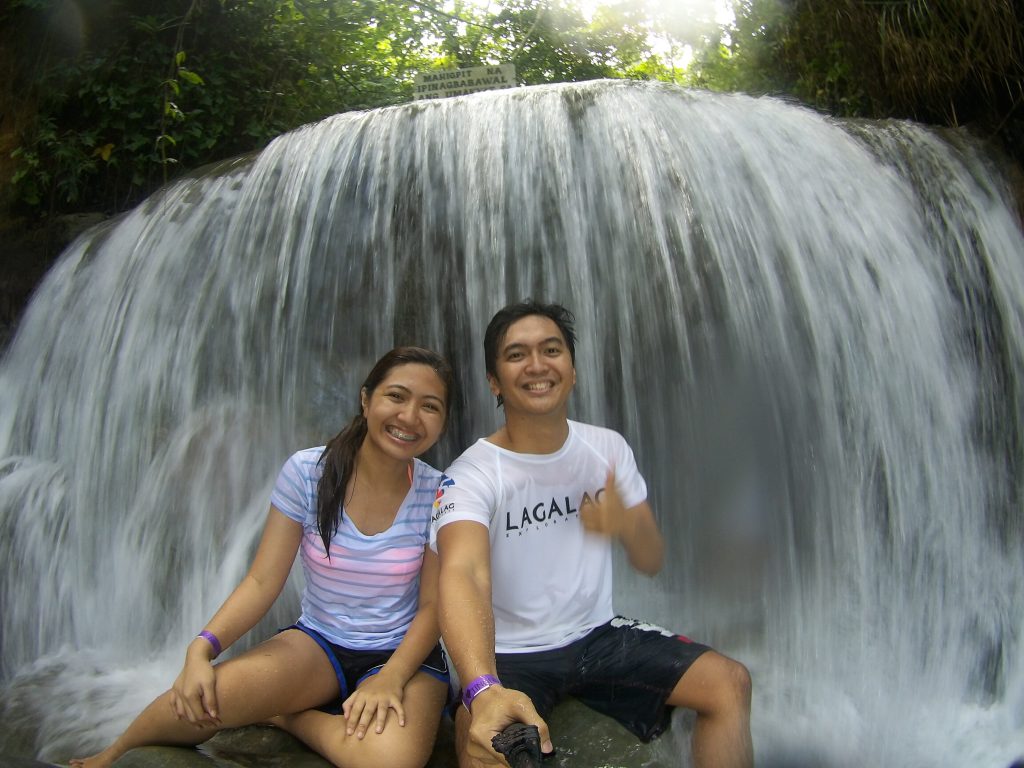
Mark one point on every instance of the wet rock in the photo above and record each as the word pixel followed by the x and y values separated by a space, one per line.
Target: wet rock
pixel 584 739
pixel 259 747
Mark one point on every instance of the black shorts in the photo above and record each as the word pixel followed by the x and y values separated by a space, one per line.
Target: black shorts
pixel 625 669
pixel 352 667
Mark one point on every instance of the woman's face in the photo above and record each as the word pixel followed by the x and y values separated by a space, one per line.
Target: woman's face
pixel 406 412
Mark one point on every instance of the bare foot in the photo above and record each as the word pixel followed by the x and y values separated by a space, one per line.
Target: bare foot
pixel 88 762
pixel 99 760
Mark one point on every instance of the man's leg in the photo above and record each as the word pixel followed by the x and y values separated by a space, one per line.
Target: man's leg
pixel 718 690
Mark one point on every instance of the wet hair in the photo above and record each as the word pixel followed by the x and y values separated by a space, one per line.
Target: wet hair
pixel 505 317
pixel 339 455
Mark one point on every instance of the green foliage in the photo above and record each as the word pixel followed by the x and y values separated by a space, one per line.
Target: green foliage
pixel 940 61
pixel 173 85
pixel 158 87
pixel 152 88
pixel 548 42
pixel 748 56
pixel 14 6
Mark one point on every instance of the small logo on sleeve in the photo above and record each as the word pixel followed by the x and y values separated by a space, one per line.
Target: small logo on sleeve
pixel 440 507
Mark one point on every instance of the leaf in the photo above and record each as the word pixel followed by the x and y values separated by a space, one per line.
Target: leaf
pixel 172 111
pixel 103 152
pixel 189 76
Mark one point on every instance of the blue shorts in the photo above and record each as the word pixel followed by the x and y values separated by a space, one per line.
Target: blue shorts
pixel 352 666
pixel 625 669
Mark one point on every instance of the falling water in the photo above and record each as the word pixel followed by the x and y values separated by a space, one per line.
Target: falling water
pixel 810 331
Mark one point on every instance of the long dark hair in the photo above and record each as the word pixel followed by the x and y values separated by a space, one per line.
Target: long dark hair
pixel 339 456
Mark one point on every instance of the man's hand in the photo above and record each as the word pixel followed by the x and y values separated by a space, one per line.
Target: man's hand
pixel 492 711
pixel 607 516
pixel 635 527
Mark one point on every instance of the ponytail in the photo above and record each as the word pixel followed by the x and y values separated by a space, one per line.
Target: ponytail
pixel 339 463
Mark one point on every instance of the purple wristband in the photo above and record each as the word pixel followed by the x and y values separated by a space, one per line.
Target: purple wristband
pixel 478 686
pixel 212 640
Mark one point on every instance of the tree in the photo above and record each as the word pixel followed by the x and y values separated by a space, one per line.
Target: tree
pixel 949 62
pixel 548 42
pixel 174 84
pixel 158 87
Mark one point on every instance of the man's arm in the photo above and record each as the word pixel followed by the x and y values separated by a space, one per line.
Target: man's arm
pixel 467 626
pixel 635 527
pixel 464 590
pixel 642 540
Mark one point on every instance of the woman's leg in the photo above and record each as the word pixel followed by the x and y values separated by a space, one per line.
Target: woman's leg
pixel 287 673
pixel 407 746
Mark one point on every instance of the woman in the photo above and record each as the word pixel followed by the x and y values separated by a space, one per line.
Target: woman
pixel 359 508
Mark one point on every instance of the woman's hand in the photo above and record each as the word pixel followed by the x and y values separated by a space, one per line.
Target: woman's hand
pixel 371 702
pixel 194 693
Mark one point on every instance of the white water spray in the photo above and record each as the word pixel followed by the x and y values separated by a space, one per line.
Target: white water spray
pixel 811 333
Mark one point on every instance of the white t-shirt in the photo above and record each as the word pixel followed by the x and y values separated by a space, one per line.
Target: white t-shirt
pixel 551 581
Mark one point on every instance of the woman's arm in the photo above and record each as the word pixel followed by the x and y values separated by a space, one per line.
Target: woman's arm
pixel 194 694
pixel 384 690
pixel 261 586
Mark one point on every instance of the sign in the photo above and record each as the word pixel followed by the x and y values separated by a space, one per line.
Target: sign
pixel 441 83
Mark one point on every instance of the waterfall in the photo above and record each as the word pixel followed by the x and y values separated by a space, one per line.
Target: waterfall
pixel 812 333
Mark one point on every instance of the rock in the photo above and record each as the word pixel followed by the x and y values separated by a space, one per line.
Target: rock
pixel 584 739
pixel 260 747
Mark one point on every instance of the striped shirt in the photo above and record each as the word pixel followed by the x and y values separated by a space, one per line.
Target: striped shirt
pixel 367 594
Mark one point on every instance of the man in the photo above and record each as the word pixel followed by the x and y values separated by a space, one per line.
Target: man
pixel 524 523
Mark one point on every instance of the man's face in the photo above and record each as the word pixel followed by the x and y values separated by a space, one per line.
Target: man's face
pixel 535 374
